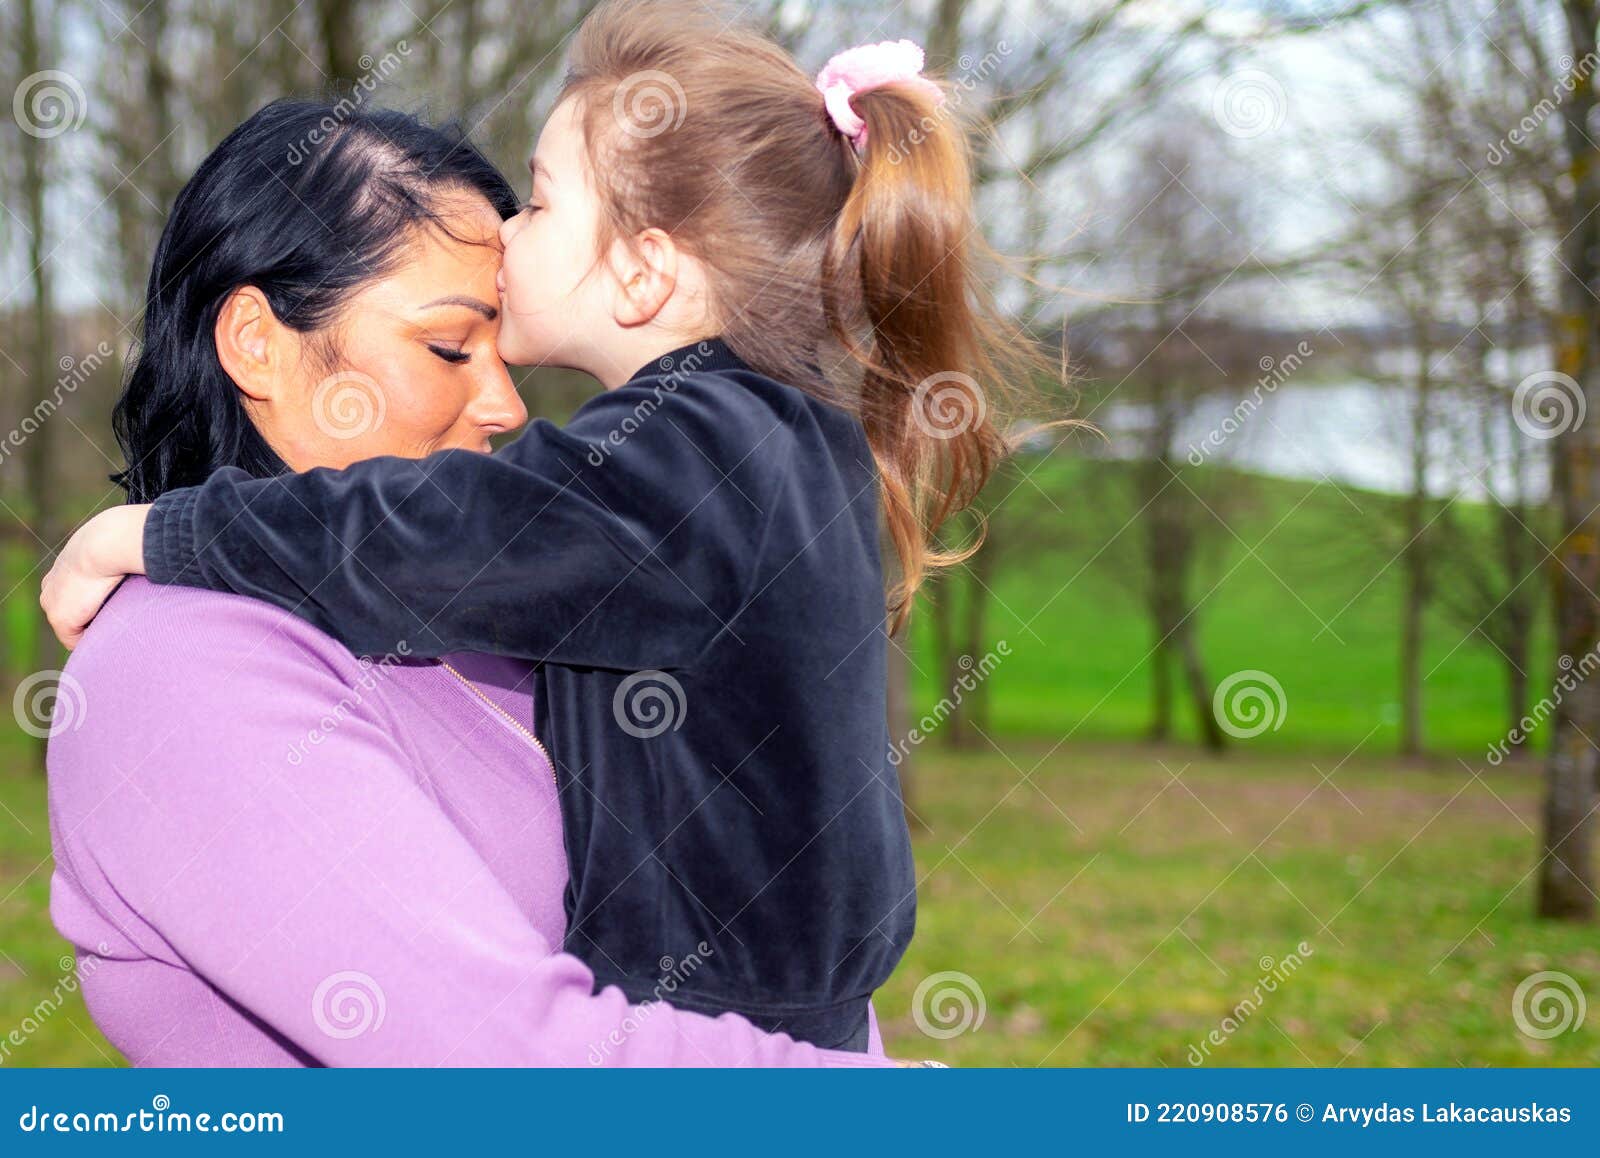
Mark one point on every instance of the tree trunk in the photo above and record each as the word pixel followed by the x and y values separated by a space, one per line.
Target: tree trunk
pixel 1157 564
pixel 1414 557
pixel 336 25
pixel 899 706
pixel 899 698
pixel 1200 689
pixel 1566 872
pixel 42 497
pixel 939 592
pixel 1160 729
pixel 974 709
pixel 1415 602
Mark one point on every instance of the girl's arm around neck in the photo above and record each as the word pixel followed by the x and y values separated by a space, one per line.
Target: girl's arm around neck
pixel 626 539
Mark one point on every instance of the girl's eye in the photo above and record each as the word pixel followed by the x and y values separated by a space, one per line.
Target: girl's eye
pixel 454 357
pixel 530 207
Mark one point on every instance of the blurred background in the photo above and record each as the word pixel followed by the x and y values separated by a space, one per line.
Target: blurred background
pixel 1261 730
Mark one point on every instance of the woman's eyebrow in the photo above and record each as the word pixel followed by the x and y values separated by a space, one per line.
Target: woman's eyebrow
pixel 489 312
pixel 537 168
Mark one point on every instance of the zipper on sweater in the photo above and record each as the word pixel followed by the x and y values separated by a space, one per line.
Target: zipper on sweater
pixel 504 715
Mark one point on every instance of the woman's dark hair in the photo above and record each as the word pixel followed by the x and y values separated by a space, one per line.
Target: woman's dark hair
pixel 307 201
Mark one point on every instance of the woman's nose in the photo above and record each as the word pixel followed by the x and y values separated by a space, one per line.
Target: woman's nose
pixel 497 407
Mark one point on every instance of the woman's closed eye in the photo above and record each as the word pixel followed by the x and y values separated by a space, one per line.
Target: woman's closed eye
pixel 453 356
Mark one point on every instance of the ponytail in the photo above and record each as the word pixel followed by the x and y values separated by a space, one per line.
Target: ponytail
pixel 904 297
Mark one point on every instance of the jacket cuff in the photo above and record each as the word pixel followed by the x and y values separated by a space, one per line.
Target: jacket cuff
pixel 169 553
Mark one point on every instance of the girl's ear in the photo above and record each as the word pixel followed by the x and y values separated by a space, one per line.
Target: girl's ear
pixel 251 343
pixel 647 277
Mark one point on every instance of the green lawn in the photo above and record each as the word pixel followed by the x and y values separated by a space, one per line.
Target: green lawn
pixel 38 999
pixel 1105 915
pixel 1298 580
pixel 1112 916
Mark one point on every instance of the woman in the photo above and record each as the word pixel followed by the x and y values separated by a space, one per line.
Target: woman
pixel 279 854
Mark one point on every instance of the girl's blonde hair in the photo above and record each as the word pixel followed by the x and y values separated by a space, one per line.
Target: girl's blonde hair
pixel 853 276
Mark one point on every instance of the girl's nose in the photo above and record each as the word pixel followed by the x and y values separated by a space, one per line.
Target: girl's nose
pixel 509 227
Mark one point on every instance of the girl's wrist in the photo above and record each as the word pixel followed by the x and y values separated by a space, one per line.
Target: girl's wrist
pixel 118 544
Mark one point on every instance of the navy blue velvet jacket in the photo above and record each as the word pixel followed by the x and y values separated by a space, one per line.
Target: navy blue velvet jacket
pixel 693 564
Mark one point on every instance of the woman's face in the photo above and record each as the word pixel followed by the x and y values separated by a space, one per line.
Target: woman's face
pixel 417 366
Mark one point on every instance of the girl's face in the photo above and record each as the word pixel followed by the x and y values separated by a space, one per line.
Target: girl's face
pixel 554 293
pixel 418 367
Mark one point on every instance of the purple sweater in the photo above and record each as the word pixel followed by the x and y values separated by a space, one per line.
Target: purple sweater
pixel 271 853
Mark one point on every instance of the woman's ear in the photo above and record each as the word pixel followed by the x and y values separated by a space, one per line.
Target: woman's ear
pixel 251 344
pixel 647 276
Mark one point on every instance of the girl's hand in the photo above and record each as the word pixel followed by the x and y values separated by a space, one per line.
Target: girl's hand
pixel 96 558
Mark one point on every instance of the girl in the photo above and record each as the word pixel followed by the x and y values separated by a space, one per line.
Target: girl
pixel 770 277
pixel 267 851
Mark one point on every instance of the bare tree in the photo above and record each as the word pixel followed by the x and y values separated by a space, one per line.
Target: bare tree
pixel 1572 787
pixel 42 499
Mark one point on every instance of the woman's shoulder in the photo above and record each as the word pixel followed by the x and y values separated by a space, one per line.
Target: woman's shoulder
pixel 182 632
pixel 164 671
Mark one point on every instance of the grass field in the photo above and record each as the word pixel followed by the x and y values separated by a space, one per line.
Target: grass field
pixel 1299 580
pixel 1110 904
pixel 1115 903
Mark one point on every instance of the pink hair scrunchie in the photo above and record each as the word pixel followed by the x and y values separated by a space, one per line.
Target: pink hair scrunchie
pixel 863 68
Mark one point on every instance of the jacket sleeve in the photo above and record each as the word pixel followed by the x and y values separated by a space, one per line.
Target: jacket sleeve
pixel 329 896
pixel 624 540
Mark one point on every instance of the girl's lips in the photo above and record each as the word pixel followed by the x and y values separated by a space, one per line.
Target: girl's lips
pixel 500 283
